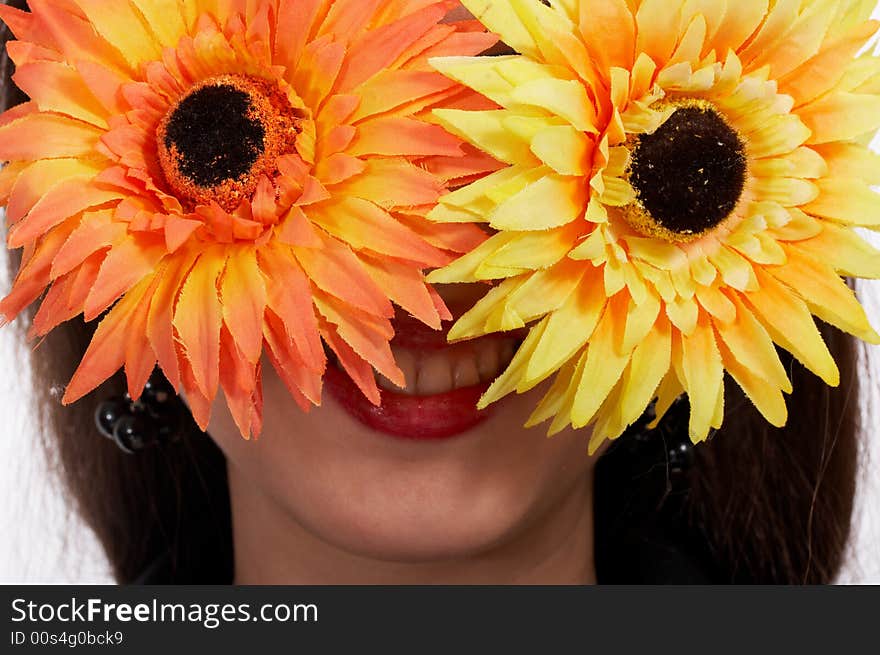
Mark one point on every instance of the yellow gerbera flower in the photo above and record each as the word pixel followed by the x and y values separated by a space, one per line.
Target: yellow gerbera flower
pixel 232 178
pixel 684 179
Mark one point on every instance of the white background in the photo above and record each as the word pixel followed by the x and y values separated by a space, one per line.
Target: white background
pixel 41 541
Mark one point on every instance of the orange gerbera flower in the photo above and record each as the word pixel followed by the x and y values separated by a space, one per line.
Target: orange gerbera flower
pixel 229 179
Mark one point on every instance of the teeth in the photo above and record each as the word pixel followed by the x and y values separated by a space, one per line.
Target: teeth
pixel 458 366
pixel 387 384
pixel 434 375
pixel 408 363
pixel 487 363
pixel 466 373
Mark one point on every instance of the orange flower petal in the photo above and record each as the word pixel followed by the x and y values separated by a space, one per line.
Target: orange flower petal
pixel 197 319
pixel 289 296
pixel 395 136
pixel 107 350
pixel 63 201
pixel 336 270
pixel 125 265
pixel 46 136
pixel 243 295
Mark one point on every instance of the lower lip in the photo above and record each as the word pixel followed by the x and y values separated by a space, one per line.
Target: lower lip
pixel 414 418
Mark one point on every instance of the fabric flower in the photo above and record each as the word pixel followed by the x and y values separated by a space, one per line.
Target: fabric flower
pixel 232 179
pixel 683 185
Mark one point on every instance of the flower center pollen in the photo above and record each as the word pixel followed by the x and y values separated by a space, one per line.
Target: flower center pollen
pixel 219 139
pixel 689 175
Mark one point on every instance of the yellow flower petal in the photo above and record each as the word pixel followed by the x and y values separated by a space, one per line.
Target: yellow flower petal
pixel 534 250
pixel 790 324
pixel 657 31
pixel 508 381
pixel 610 48
pixel 568 329
pixel 545 291
pixel 816 76
pixel 499 77
pixel 648 366
pixel 602 369
pixel 661 254
pixel 780 16
pixel 608 422
pixel 758 247
pixel 739 23
pixel 472 199
pixel 703 377
pixel 801 163
pixel 752 346
pixel 841 117
pixel 552 201
pixel 764 395
pixel 670 388
pixel 502 18
pixel 716 303
pixel 844 250
pixel 849 201
pixel 825 293
pixel 564 98
pixel 684 314
pixel 467 267
pixel 691 43
pixel 735 269
pixel 487 131
pixel 798 226
pixel 473 322
pixel 565 149
pixel 547 27
pixel 640 319
pixel 703 271
pixel 801 41
pixel 851 161
pixel 559 396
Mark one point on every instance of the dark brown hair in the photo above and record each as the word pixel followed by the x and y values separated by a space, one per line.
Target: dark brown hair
pixel 761 504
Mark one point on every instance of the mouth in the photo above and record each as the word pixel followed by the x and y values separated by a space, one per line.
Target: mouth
pixel 443 383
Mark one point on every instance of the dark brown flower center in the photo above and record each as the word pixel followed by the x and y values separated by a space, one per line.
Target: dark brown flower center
pixel 216 135
pixel 218 140
pixel 690 174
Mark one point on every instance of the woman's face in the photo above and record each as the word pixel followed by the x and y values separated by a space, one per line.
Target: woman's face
pixel 359 479
pixel 356 477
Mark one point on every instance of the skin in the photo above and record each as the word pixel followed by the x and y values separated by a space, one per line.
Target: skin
pixel 322 499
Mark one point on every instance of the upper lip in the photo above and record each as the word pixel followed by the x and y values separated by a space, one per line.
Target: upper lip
pixel 409 332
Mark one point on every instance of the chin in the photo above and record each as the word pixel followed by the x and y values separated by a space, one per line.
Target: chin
pixel 387 497
pixel 423 513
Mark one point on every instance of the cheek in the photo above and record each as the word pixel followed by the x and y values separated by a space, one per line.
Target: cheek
pixel 394 499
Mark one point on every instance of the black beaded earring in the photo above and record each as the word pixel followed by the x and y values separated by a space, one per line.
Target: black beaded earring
pixel 669 441
pixel 157 417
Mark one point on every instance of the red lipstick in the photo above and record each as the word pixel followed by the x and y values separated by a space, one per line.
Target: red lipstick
pixel 417 418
